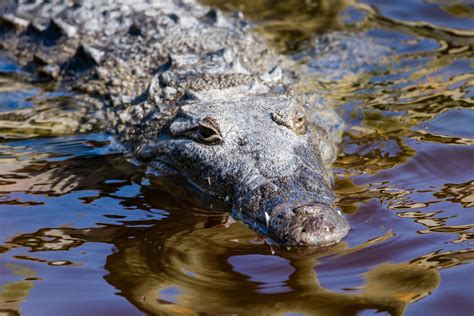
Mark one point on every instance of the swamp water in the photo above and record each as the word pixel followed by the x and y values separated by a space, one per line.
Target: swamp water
pixel 85 232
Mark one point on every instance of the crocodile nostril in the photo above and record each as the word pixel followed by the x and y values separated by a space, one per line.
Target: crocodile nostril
pixel 243 141
pixel 308 224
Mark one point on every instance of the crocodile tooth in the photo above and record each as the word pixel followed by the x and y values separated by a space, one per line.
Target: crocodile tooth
pixel 267 218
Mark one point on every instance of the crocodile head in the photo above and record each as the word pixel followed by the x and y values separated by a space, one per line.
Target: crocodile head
pixel 259 153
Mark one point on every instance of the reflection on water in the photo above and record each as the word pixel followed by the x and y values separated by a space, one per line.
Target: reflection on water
pixel 159 269
pixel 84 230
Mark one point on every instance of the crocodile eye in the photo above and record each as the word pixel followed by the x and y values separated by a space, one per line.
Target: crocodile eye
pixel 299 123
pixel 294 120
pixel 208 131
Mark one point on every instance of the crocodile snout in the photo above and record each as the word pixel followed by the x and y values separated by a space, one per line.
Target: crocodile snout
pixel 312 224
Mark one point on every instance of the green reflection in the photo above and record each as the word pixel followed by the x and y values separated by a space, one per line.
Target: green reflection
pixel 459 10
pixel 289 24
pixel 13 294
pixel 193 263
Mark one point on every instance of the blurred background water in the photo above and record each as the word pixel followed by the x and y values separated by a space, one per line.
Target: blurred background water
pixel 85 231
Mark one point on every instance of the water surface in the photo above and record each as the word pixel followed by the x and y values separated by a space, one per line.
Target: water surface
pixel 85 231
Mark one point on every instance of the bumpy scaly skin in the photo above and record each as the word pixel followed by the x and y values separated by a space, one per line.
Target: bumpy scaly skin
pixel 187 89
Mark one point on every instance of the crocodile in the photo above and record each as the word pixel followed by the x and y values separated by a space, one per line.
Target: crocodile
pixel 187 89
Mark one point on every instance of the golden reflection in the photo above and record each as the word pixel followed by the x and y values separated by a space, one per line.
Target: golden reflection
pixel 182 264
pixel 351 195
pixel 37 113
pixel 189 271
pixel 46 118
pixel 462 193
pixel 443 260
pixel 14 84
pixel 13 294
pixel 289 25
pixel 403 91
pixel 438 225
pixel 374 152
pixel 457 9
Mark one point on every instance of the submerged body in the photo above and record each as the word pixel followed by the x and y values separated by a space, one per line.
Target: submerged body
pixel 189 91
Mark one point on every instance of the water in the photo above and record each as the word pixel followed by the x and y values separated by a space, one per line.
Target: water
pixel 85 231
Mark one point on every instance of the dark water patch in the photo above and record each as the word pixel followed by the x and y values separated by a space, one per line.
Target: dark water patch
pixel 433 163
pixel 451 123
